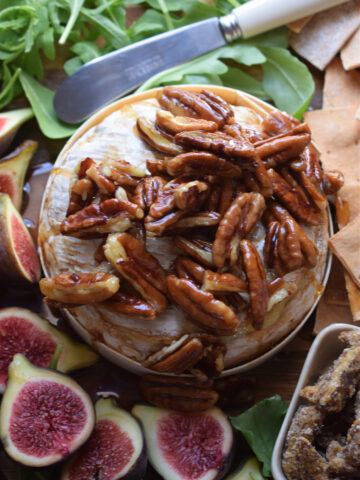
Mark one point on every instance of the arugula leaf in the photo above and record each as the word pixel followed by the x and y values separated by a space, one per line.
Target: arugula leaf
pixel 41 101
pixel 287 80
pixel 236 78
pixel 260 426
pixel 75 11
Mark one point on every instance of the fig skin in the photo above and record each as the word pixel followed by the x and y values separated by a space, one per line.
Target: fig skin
pixel 13 168
pixel 11 226
pixel 107 410
pixel 10 122
pixel 154 418
pixel 23 376
pixel 74 355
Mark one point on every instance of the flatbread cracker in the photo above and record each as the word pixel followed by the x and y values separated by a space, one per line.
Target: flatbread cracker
pixel 357 114
pixel 329 314
pixel 335 292
pixel 354 297
pixel 345 245
pixel 341 88
pixel 347 204
pixel 350 53
pixel 298 25
pixel 337 135
pixel 326 33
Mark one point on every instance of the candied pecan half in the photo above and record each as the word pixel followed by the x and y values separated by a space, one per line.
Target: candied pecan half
pixel 212 360
pixel 258 180
pixel 200 250
pixel 332 182
pixel 202 307
pixel 147 191
pixel 256 278
pixel 191 195
pixel 221 283
pixel 201 163
pixel 219 143
pixel 275 151
pixel 186 268
pixel 80 288
pixel 278 122
pixel 165 199
pixel 221 195
pixel 292 200
pixel 185 102
pixel 313 170
pixel 176 124
pixel 105 186
pixel 83 166
pixel 130 257
pixel 218 104
pixel 196 220
pixel 97 219
pixel 157 228
pixel 130 305
pixel 156 166
pixel 178 393
pixel 153 136
pixel 82 193
pixel 315 195
pixel 178 357
pixel 122 173
pixel 240 218
pixel 237 131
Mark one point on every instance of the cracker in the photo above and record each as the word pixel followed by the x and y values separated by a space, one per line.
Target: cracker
pixel 335 292
pixel 297 25
pixel 337 135
pixel 347 204
pixel 357 114
pixel 354 297
pixel 346 246
pixel 324 35
pixel 341 88
pixel 328 314
pixel 350 53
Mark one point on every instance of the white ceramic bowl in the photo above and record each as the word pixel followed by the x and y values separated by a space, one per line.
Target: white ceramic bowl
pixel 325 349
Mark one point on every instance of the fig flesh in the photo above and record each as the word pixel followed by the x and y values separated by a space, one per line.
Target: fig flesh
pixel 18 257
pixel 184 446
pixel 13 168
pixel 45 415
pixel 22 331
pixel 115 449
pixel 10 122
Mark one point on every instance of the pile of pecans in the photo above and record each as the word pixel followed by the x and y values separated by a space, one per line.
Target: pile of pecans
pixel 213 182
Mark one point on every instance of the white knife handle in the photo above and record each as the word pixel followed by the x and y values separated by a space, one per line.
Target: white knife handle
pixel 258 16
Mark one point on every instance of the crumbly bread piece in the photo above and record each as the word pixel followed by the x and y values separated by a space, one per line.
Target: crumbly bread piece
pixel 346 246
pixel 325 34
pixel 341 88
pixel 350 53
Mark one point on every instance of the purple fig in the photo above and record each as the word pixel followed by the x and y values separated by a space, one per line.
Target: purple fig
pixel 22 331
pixel 13 168
pixel 10 122
pixel 45 415
pixel 115 450
pixel 187 446
pixel 18 257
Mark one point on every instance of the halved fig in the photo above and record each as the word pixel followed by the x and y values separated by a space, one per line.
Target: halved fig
pixel 10 122
pixel 22 331
pixel 187 446
pixel 18 257
pixel 115 449
pixel 13 168
pixel 45 415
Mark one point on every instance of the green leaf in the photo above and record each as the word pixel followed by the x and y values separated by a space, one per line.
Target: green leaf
pixel 150 23
pixel 287 80
pixel 72 65
pixel 47 43
pixel 273 38
pixel 236 78
pixel 75 11
pixel 86 51
pixel 242 53
pixel 41 101
pixel 260 425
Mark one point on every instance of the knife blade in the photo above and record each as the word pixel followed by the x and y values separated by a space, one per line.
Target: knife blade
pixel 115 74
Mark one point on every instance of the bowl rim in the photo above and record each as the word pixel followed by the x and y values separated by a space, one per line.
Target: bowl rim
pixel 307 372
pixel 110 353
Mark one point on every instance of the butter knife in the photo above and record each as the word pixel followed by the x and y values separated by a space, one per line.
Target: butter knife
pixel 115 74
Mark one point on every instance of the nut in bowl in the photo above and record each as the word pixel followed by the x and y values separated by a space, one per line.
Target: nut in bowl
pixel 319 437
pixel 208 207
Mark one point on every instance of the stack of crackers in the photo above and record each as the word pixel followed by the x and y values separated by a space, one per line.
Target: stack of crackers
pixel 330 41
